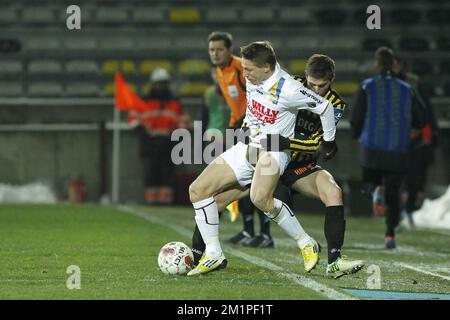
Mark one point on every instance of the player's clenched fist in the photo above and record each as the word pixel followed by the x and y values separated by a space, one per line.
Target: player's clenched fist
pixel 327 150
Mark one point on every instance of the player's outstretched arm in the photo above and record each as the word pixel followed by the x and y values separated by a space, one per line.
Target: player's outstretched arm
pixel 303 98
pixel 328 123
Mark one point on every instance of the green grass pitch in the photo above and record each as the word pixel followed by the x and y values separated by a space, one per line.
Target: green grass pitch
pixel 116 249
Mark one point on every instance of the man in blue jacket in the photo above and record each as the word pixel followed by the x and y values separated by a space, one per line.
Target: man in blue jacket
pixel 386 110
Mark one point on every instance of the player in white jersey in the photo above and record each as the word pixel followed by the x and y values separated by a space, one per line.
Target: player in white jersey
pixel 272 106
pixel 273 100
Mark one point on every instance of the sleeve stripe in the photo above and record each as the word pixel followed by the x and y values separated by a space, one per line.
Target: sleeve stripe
pixel 305 149
pixel 317 133
pixel 332 98
pixel 304 142
pixel 338 97
pixel 305 145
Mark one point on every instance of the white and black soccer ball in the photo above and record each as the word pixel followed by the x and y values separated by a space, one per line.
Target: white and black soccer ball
pixel 175 258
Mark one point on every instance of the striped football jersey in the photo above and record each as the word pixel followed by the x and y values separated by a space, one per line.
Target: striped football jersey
pixel 308 128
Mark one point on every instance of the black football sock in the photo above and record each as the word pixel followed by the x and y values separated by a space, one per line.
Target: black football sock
pixel 248 224
pixel 334 231
pixel 264 223
pixel 198 245
pixel 392 215
pixel 246 208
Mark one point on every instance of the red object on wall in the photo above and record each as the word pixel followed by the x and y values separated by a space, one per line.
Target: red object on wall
pixel 77 191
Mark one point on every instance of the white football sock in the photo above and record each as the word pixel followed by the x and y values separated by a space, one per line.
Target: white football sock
pixel 285 218
pixel 207 218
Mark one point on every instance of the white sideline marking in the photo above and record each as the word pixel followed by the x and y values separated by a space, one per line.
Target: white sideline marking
pixel 422 271
pixel 364 247
pixel 296 278
pixel 400 249
pixel 299 279
pixel 437 231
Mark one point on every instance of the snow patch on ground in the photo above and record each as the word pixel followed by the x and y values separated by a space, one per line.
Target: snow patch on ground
pixel 434 213
pixel 36 192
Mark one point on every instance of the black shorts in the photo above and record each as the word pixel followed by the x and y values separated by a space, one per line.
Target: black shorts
pixel 298 170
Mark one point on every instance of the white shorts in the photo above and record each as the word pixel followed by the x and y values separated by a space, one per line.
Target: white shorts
pixel 236 158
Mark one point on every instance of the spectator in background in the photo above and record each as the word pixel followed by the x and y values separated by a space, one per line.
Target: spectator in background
pixel 422 148
pixel 386 110
pixel 229 75
pixel 164 115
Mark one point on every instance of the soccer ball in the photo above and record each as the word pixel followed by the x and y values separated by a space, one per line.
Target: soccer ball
pixel 175 258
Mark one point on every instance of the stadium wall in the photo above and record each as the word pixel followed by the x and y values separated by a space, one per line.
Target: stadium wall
pixel 35 148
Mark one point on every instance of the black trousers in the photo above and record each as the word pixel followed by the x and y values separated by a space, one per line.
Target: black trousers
pixel 420 158
pixel 392 182
pixel 158 166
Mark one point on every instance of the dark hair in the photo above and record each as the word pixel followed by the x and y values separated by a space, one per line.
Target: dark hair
pixel 321 66
pixel 260 52
pixel 226 37
pixel 384 57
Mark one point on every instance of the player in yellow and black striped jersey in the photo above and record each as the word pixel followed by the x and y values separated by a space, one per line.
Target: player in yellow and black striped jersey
pixel 308 128
pixel 309 134
pixel 305 176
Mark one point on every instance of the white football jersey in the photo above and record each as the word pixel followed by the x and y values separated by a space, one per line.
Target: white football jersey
pixel 272 106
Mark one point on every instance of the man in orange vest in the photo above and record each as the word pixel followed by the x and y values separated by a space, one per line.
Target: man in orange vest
pixel 164 115
pixel 229 75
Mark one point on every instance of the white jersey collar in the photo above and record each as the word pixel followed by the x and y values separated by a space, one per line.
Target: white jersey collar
pixel 268 84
